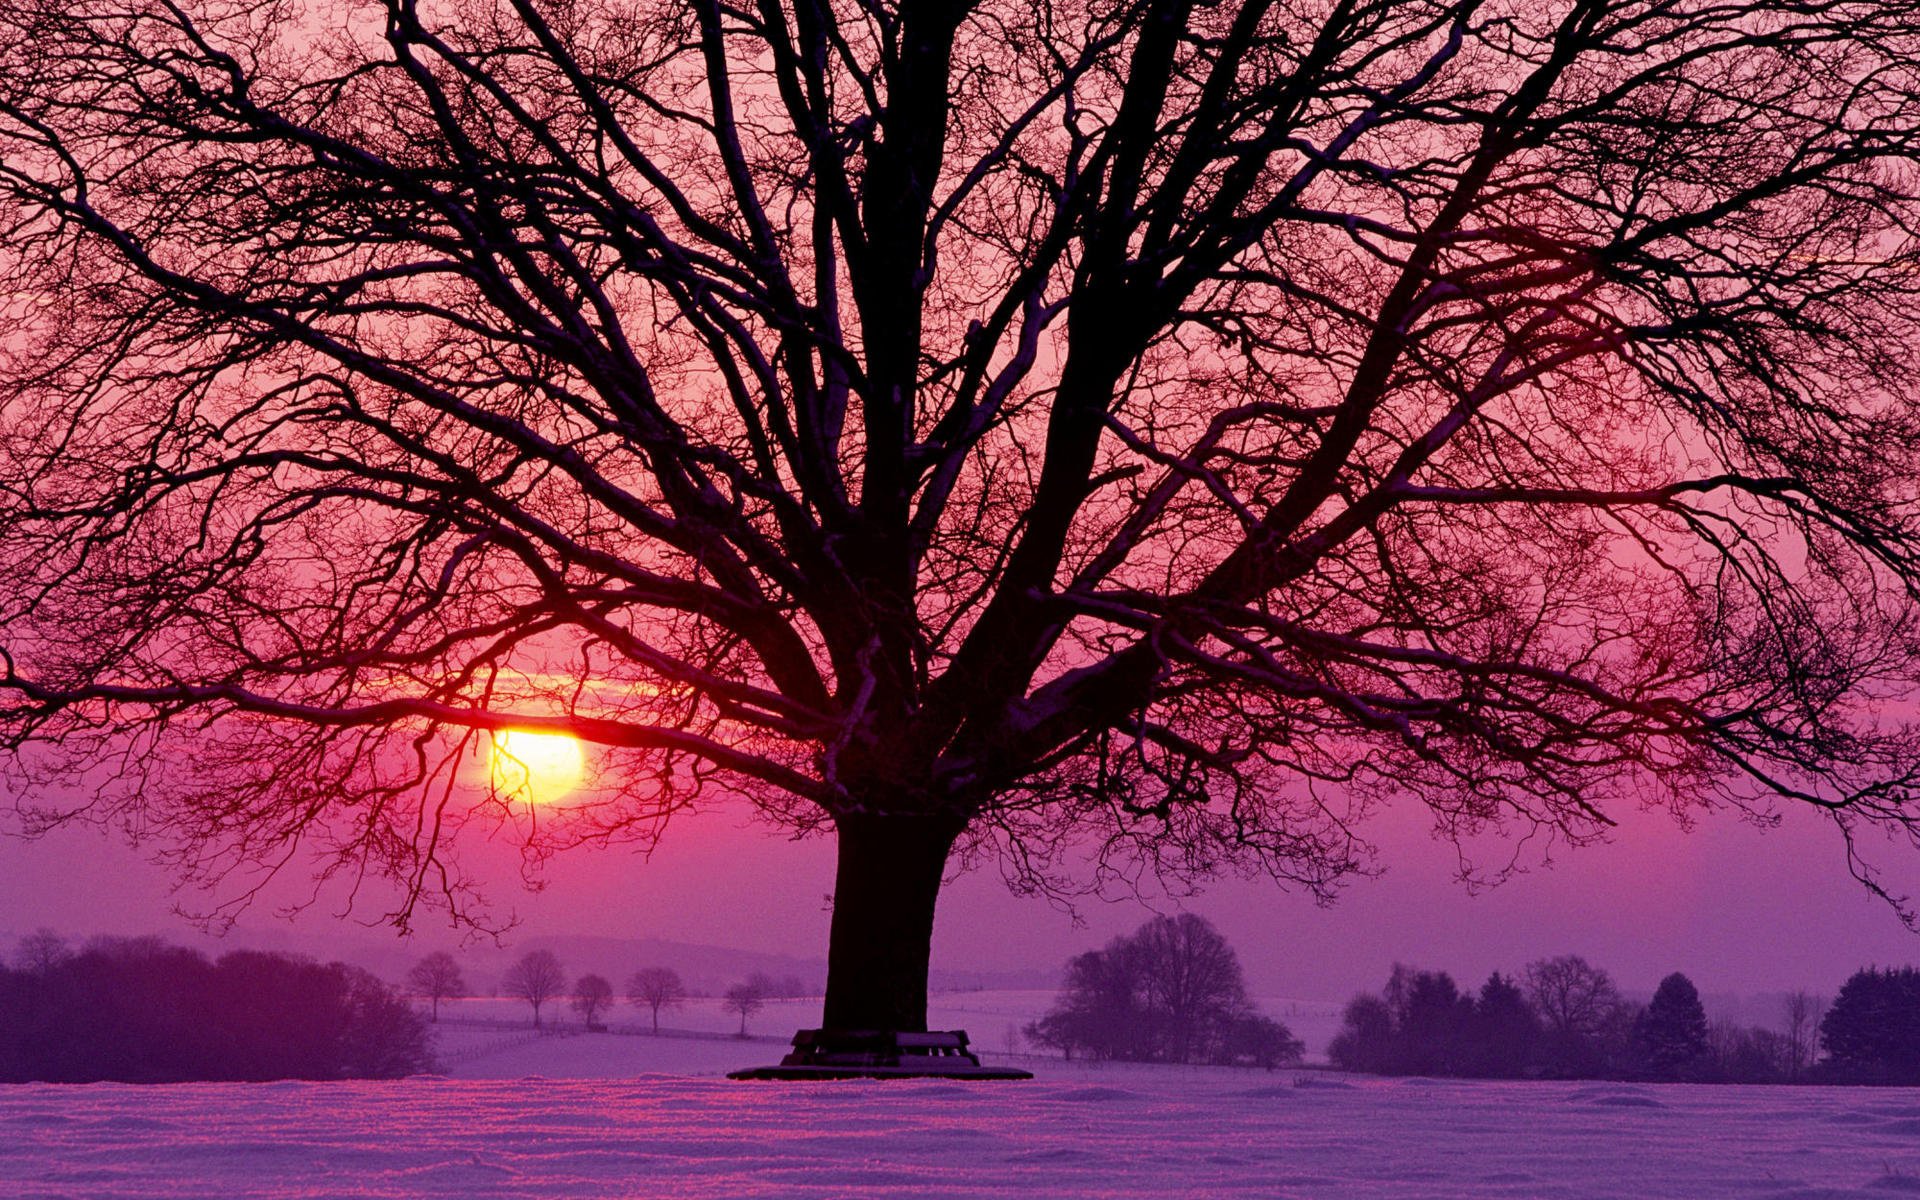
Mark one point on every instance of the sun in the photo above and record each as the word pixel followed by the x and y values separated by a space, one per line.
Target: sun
pixel 536 767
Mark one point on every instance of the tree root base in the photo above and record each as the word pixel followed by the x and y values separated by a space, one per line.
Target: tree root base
pixel 880 1054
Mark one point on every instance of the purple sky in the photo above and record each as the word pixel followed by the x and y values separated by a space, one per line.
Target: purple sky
pixel 1741 911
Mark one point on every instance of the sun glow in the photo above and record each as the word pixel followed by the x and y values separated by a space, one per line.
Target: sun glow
pixel 538 768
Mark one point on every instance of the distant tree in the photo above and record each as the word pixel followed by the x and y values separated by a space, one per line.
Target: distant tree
pixel 789 987
pixel 1581 1009
pixel 1432 1022
pixel 1194 988
pixel 1099 1010
pixel 1366 1038
pixel 536 978
pixel 1872 1031
pixel 655 988
pixel 1254 1040
pixel 1672 1032
pixel 1172 991
pixel 1571 995
pixel 1801 1011
pixel 765 984
pixel 592 996
pixel 746 999
pixel 1506 1030
pixel 383 1037
pixel 40 951
pixel 1738 1054
pixel 437 977
pixel 1420 1024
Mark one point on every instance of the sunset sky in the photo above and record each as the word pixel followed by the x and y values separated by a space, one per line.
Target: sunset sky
pixel 1739 910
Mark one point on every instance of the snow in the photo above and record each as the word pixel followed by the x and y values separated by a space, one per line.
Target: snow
pixel 622 1115
pixel 994 1019
pixel 564 1113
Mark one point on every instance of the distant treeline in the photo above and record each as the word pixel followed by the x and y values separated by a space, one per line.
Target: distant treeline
pixel 1564 1018
pixel 142 1011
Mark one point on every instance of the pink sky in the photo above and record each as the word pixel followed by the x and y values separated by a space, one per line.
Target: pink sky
pixel 1741 911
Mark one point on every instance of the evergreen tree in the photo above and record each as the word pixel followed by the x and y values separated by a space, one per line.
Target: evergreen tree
pixel 1433 1024
pixel 1506 1030
pixel 1872 1031
pixel 1673 1029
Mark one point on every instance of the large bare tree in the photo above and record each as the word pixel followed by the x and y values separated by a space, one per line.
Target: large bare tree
pixel 1139 429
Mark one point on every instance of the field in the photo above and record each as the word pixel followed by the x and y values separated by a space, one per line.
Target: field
pixel 569 1114
pixel 492 1038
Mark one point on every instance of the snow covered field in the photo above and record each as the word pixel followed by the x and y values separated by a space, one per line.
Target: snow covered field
pixel 993 1019
pixel 1078 1131
pixel 625 1114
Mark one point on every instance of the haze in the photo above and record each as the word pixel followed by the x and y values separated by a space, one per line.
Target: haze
pixel 1740 910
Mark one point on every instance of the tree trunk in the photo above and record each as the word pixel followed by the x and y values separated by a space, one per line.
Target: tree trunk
pixel 882 938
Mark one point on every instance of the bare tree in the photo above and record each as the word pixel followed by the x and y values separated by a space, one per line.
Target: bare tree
pixel 1172 991
pixel 437 977
pixel 655 988
pixel 1802 1011
pixel 536 978
pixel 41 951
pixel 1587 1022
pixel 980 428
pixel 1193 983
pixel 592 996
pixel 1573 997
pixel 746 999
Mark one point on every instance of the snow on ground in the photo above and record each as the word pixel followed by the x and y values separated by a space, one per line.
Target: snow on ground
pixel 1077 1131
pixel 993 1019
pixel 561 1113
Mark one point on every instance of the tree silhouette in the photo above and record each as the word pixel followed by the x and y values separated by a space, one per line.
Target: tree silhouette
pixel 437 977
pixel 1423 1024
pixel 655 988
pixel 40 951
pixel 1802 1011
pixel 1161 430
pixel 746 999
pixel 1573 997
pixel 1434 1021
pixel 1871 1031
pixel 1506 1029
pixel 1171 991
pixel 1366 1041
pixel 592 996
pixel 141 1011
pixel 536 978
pixel 1673 1030
pixel 1580 1008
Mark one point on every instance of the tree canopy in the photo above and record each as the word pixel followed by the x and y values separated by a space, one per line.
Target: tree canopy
pixel 1872 1031
pixel 1145 429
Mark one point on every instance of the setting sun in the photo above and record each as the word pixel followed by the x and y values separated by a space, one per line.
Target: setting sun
pixel 535 767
